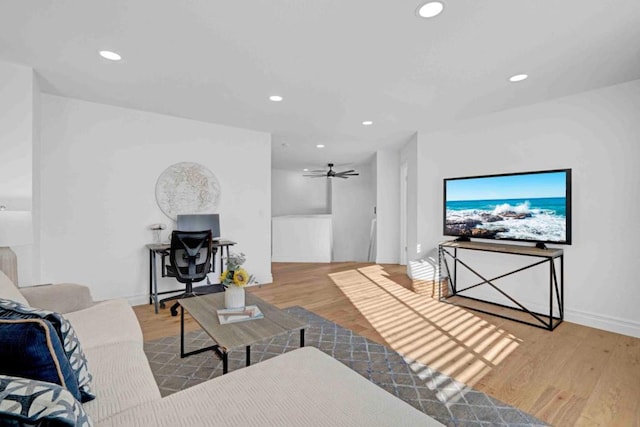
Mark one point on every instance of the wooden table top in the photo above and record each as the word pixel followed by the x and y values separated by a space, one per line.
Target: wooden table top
pixel 505 248
pixel 240 334
pixel 167 245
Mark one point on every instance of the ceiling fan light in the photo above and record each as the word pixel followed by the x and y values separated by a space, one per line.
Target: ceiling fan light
pixel 518 78
pixel 111 56
pixel 430 9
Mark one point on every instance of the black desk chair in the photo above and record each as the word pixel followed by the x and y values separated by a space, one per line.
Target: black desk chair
pixel 190 258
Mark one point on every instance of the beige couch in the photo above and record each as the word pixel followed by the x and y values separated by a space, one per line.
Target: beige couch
pixel 304 387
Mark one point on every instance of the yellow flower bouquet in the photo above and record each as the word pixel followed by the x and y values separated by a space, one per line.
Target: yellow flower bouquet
pixel 234 274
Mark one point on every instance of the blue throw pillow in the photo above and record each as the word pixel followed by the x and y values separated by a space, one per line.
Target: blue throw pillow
pixel 25 402
pixel 30 348
pixel 67 335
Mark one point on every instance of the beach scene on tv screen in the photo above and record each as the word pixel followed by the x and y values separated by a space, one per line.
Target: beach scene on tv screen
pixel 515 207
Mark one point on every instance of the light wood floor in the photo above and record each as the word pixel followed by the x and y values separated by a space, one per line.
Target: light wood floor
pixel 574 375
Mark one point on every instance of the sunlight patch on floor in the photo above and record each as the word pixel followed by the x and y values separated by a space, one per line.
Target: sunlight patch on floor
pixel 437 335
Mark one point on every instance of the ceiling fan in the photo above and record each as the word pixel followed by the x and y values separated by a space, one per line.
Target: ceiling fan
pixel 321 173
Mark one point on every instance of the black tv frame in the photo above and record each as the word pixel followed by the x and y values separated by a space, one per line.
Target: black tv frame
pixel 539 243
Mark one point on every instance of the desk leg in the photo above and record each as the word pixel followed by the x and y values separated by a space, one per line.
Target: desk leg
pixel 302 337
pixel 248 355
pixel 225 363
pixel 182 331
pixel 150 276
pixel 154 279
pixel 214 251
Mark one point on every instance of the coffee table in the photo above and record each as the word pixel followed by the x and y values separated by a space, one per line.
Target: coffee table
pixel 203 309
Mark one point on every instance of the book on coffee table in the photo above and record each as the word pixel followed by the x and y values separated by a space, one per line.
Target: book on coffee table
pixel 233 315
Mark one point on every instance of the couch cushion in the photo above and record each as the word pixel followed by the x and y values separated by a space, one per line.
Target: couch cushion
pixel 9 291
pixel 67 335
pixel 30 348
pixel 122 379
pixel 304 387
pixel 106 323
pixel 61 297
pixel 30 402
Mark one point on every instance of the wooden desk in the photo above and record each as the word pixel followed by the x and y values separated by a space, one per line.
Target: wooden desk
pixel 163 250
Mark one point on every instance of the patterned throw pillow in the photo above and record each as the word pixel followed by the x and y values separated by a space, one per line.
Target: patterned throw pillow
pixel 30 348
pixel 25 402
pixel 68 337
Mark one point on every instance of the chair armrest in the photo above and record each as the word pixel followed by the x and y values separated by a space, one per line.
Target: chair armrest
pixel 61 297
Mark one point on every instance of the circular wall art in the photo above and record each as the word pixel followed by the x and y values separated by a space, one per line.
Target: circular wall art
pixel 187 188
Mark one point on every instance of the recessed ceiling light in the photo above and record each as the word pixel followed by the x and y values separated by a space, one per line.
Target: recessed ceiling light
pixel 320 146
pixel 112 56
pixel 518 78
pixel 305 170
pixel 276 98
pixel 367 123
pixel 430 9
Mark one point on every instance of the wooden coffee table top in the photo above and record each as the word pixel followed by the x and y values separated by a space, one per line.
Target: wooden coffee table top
pixel 240 334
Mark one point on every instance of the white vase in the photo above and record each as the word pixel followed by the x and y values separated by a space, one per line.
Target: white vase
pixel 234 297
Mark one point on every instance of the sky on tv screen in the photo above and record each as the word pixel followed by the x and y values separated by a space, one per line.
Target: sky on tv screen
pixel 538 185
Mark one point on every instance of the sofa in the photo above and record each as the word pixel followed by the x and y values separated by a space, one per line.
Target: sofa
pixel 301 387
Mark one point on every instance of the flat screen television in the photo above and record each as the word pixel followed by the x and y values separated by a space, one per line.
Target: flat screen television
pixel 525 206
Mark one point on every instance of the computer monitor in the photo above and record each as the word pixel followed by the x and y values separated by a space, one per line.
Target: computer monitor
pixel 200 222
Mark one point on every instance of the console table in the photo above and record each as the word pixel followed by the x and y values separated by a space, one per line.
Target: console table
pixel 448 253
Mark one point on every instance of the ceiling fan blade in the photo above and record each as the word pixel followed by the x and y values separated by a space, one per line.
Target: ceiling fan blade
pixel 349 171
pixel 316 176
pixel 318 170
pixel 341 176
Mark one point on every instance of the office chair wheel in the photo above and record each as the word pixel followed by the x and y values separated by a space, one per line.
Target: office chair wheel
pixel 162 305
pixel 174 311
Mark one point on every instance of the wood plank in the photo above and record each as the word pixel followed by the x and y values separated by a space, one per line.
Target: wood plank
pixel 615 399
pixel 564 377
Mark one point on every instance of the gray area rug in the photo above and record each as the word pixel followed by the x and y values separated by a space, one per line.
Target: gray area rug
pixel 450 402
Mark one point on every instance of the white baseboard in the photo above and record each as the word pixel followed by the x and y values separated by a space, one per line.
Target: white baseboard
pixel 593 320
pixel 607 323
pixel 387 261
pixel 300 259
pixel 263 280
pixel 138 300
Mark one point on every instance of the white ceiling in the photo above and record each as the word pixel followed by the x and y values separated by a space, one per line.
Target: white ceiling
pixel 335 62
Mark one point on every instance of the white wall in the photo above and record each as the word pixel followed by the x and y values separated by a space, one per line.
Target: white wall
pixel 16 130
pixel 595 134
pixel 302 238
pixel 34 266
pixel 409 155
pixel 16 146
pixel 294 194
pixel 388 206
pixel 99 166
pixel 353 201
